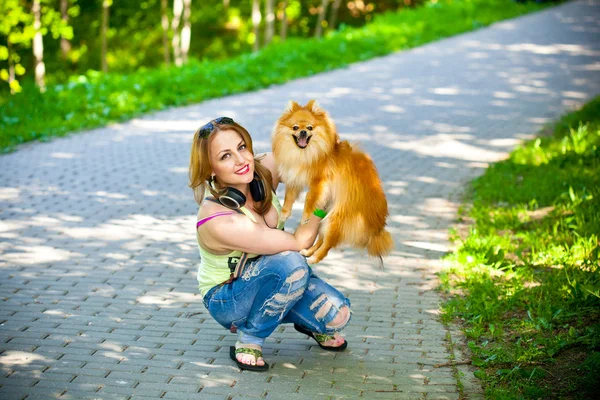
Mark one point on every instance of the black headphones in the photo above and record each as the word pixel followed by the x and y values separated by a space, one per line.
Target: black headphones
pixel 234 199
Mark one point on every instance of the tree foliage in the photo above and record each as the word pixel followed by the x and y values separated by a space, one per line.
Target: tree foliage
pixel 136 36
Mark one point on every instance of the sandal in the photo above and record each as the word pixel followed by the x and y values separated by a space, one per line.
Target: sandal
pixel 247 350
pixel 320 338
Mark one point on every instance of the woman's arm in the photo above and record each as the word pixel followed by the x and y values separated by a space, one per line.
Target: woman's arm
pixel 238 232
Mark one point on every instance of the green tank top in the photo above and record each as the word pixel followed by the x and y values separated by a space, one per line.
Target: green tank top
pixel 215 269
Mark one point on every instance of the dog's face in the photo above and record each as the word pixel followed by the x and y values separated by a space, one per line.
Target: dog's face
pixel 305 131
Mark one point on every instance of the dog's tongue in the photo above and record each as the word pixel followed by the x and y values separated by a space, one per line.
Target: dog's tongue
pixel 302 141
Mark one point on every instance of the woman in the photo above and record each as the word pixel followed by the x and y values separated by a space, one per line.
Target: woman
pixel 240 214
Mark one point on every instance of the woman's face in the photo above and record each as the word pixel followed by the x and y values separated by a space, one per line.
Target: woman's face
pixel 231 161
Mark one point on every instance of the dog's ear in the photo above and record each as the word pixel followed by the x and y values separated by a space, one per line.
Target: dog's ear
pixel 292 106
pixel 314 107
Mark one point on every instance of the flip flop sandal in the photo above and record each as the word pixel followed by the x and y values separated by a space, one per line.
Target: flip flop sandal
pixel 256 353
pixel 319 338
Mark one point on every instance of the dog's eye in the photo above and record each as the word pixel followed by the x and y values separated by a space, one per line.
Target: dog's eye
pixel 295 127
pixel 309 128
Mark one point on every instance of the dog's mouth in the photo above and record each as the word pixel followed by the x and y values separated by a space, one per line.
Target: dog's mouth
pixel 302 140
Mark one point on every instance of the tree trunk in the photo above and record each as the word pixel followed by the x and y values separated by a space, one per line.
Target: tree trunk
pixel 177 11
pixel 270 22
pixel 256 17
pixel 186 31
pixel 322 12
pixel 284 23
pixel 164 22
pixel 225 4
pixel 103 31
pixel 11 66
pixel 38 46
pixel 335 8
pixel 65 44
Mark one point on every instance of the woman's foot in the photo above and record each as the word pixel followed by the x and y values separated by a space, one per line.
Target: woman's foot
pixel 336 340
pixel 333 342
pixel 249 354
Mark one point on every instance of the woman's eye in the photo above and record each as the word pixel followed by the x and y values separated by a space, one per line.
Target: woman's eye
pixel 225 156
pixel 242 147
pixel 309 128
pixel 295 127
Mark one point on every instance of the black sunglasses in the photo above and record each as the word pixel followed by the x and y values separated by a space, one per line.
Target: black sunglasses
pixel 207 129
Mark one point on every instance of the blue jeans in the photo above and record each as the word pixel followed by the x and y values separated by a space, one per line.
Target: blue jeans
pixel 275 289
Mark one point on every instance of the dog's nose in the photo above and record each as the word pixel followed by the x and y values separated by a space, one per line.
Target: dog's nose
pixel 302 133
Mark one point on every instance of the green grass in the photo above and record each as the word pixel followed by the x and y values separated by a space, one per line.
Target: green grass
pixel 96 99
pixel 524 282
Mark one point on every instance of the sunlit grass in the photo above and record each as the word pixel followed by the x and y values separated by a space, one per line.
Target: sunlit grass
pixel 525 280
pixel 96 99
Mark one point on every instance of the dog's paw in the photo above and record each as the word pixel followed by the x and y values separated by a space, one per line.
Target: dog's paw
pixel 285 214
pixel 312 260
pixel 305 252
pixel 281 221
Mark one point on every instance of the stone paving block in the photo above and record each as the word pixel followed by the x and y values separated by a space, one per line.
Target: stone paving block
pixel 21 392
pixel 195 396
pixel 77 395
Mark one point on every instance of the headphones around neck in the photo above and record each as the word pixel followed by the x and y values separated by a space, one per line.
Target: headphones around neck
pixel 234 199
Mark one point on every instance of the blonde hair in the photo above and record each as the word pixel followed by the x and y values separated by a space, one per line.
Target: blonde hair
pixel 200 168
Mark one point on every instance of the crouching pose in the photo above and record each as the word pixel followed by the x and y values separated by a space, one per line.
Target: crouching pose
pixel 239 223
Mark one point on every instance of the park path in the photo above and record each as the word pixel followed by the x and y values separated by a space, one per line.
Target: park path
pixel 97 246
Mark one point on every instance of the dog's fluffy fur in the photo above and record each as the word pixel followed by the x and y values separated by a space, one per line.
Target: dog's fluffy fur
pixel 339 177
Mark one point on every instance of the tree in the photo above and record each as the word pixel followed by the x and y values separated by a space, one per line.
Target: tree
pixel 177 11
pixel 335 8
pixel 270 21
pixel 16 25
pixel 284 22
pixel 181 37
pixel 256 18
pixel 105 14
pixel 322 12
pixel 38 46
pixel 164 22
pixel 65 42
pixel 186 31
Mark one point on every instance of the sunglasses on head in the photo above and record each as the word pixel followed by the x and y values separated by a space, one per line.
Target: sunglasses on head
pixel 207 129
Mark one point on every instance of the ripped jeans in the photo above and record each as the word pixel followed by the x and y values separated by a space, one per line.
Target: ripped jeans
pixel 275 289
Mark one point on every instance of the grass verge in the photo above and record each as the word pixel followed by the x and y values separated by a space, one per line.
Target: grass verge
pixel 524 282
pixel 95 99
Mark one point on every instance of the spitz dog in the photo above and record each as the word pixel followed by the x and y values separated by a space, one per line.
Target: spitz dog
pixel 339 178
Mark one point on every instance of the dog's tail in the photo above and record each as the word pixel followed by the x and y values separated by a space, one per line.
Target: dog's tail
pixel 380 245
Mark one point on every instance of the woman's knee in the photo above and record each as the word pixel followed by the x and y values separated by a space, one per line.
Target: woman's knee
pixel 341 319
pixel 293 268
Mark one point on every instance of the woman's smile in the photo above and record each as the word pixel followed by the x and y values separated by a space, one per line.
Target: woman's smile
pixel 244 170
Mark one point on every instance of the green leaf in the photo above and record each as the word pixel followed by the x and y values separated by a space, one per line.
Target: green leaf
pixel 479 374
pixel 477 361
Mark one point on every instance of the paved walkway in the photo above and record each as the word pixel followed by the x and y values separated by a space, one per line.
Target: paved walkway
pixel 98 254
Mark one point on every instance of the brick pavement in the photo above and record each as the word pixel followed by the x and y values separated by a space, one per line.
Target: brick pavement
pixel 97 247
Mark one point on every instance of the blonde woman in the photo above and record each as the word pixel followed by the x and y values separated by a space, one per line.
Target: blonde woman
pixel 239 218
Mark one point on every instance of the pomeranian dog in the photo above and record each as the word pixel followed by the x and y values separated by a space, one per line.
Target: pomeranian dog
pixel 340 179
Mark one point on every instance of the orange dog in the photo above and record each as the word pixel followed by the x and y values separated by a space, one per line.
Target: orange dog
pixel 339 177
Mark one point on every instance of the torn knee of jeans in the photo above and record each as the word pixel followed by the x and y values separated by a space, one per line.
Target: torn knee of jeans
pixel 340 320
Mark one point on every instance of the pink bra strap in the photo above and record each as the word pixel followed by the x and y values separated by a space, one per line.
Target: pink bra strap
pixel 203 220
